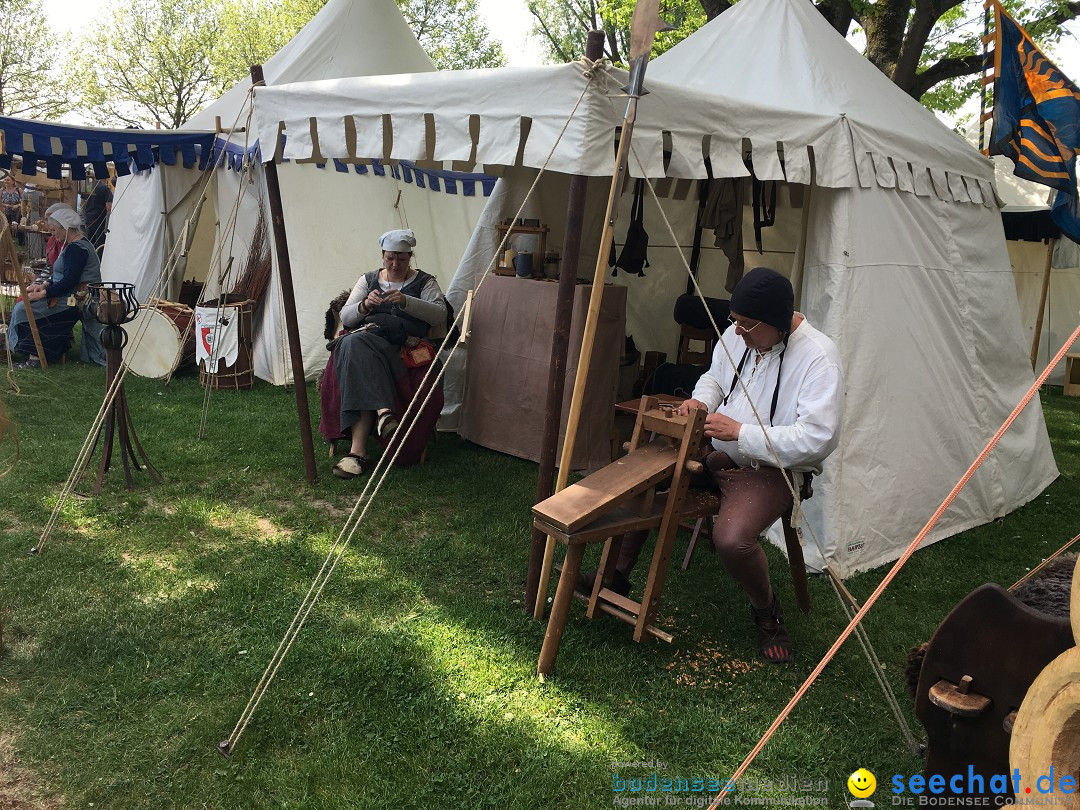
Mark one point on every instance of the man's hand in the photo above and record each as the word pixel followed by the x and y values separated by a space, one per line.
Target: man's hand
pixel 724 428
pixel 689 404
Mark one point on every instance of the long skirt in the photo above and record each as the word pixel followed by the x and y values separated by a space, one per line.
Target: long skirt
pixel 367 369
pixel 54 329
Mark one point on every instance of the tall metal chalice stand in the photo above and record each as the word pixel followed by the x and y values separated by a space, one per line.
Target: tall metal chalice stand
pixel 113 303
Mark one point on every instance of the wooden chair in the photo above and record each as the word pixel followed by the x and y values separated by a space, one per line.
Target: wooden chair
pixel 621 498
pixel 690 356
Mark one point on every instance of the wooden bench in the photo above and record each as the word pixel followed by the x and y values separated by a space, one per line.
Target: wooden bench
pixel 618 499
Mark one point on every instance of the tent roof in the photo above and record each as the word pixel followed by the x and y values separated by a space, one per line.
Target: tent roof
pixel 60 145
pixel 346 38
pixel 784 53
pixel 515 116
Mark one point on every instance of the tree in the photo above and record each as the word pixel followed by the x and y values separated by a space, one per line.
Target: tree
pixel 563 25
pixel 30 80
pixel 931 49
pixel 453 33
pixel 150 63
pixel 251 31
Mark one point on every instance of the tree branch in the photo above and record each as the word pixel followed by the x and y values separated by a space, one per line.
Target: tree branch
pixel 944 70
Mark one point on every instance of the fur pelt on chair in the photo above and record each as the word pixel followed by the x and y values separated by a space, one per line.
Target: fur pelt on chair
pixel 333 315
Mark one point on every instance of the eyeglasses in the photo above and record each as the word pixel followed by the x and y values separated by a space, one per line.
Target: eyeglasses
pixel 741 329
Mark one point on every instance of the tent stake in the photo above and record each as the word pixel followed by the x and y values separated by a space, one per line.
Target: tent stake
pixel 288 300
pixel 560 344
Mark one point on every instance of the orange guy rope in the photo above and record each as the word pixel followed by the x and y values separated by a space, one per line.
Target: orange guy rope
pixel 894 571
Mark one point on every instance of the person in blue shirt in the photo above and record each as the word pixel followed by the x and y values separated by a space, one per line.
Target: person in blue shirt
pixel 55 302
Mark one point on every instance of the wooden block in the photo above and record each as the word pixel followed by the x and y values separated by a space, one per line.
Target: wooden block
pixel 579 504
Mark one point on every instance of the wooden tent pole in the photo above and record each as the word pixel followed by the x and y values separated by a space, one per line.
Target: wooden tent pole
pixel 288 300
pixel 1042 300
pixel 798 271
pixel 560 346
pixel 645 24
pixel 11 256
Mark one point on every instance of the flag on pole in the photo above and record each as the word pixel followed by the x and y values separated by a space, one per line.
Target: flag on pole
pixel 1036 118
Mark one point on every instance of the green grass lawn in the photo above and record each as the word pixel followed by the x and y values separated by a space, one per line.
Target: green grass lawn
pixel 132 643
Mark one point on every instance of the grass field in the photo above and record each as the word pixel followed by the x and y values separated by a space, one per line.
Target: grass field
pixel 133 641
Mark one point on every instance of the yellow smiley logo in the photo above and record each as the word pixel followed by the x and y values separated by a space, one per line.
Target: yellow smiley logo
pixel 861 783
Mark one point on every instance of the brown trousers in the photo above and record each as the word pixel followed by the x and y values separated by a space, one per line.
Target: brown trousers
pixel 751 500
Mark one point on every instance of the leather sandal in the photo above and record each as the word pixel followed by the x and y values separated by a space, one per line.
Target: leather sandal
pixel 774 643
pixel 386 425
pixel 351 465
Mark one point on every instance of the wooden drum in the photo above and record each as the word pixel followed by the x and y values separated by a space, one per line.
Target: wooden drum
pixel 161 339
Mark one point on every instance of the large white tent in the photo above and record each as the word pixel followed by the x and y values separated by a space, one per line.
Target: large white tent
pixel 334 214
pixel 905 263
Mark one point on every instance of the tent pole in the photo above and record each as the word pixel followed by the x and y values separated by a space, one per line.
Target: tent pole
pixel 560 345
pixel 281 243
pixel 644 26
pixel 1042 300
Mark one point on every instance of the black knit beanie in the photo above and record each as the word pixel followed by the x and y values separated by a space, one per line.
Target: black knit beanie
pixel 766 296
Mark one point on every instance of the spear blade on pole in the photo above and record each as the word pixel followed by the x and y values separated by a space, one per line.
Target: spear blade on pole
pixel 643 29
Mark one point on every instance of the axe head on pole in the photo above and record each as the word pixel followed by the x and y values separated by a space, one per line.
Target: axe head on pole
pixel 643 29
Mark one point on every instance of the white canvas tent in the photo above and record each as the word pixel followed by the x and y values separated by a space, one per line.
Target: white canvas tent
pixel 904 258
pixel 334 217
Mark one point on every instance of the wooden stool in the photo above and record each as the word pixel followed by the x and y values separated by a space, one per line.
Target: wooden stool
pixel 688 355
pixel 1072 375
pixel 618 499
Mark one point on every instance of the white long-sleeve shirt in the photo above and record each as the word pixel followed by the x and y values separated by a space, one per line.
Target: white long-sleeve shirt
pixel 809 406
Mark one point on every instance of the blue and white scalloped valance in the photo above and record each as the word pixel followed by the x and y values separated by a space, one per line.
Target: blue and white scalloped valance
pixel 236 157
pixel 75 147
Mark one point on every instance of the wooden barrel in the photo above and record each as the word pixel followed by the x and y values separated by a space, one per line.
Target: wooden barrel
pixel 240 375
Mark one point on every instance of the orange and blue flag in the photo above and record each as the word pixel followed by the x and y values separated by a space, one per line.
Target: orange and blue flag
pixel 1036 119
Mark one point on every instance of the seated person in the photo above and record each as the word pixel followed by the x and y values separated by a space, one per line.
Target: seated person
pixel 793 376
pixel 11 200
pixel 385 308
pixel 52 301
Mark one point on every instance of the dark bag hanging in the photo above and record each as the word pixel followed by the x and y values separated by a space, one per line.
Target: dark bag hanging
pixel 634 256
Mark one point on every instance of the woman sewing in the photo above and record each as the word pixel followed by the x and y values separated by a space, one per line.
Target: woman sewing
pixel 53 301
pixel 386 308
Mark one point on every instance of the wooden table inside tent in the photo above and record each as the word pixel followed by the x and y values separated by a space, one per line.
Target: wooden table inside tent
pixel 506 378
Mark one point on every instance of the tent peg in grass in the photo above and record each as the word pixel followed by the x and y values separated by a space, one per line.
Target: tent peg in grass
pixel 224 748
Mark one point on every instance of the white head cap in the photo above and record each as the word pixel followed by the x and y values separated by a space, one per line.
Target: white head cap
pixel 66 218
pixel 52 209
pixel 399 241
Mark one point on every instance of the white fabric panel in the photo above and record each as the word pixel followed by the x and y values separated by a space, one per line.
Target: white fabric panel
pixel 646 157
pixel 369 136
pixel 687 159
pixel 498 141
pixel 886 177
pixel 940 182
pixel 924 186
pixel 904 179
pixel 332 137
pixel 410 137
pixel 298 143
pixel 452 138
pixel 727 158
pixel 797 164
pixel 765 160
pixel 974 191
pixel 957 188
pixel 133 250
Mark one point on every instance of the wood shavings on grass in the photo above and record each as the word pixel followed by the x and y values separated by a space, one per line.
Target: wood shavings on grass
pixel 709 666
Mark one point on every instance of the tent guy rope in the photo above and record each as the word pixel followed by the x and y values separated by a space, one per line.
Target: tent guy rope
pixel 895 570
pixel 373 485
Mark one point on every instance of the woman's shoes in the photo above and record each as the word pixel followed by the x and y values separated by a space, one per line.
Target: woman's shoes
pixel 28 364
pixel 386 425
pixel 351 466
